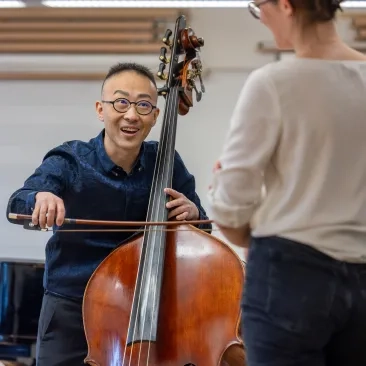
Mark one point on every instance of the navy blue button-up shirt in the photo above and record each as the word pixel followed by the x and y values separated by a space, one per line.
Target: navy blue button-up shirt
pixel 92 187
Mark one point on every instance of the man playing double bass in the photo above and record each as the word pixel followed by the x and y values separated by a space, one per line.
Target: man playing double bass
pixel 106 178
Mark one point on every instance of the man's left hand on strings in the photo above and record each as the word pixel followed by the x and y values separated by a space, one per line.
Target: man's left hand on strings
pixel 181 208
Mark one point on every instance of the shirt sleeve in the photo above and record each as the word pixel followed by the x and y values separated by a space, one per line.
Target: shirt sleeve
pixel 236 189
pixel 54 175
pixel 184 182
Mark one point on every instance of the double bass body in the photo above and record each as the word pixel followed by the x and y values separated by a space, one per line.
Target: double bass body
pixel 167 297
pixel 198 314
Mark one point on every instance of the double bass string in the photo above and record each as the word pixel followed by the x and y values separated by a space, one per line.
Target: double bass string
pixel 171 131
pixel 138 305
pixel 169 128
pixel 170 105
pixel 167 135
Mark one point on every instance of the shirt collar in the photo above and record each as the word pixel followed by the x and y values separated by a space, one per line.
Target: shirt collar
pixel 108 164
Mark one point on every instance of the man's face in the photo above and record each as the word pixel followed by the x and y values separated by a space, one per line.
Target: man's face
pixel 127 130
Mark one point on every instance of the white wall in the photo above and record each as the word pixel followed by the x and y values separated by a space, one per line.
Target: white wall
pixel 39 115
pixel 36 116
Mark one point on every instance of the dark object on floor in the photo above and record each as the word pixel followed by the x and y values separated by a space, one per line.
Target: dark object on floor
pixel 21 292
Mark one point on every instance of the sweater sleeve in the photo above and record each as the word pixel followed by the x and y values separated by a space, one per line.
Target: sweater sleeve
pixel 254 131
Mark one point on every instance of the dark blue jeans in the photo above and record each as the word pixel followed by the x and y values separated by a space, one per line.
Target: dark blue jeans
pixel 301 307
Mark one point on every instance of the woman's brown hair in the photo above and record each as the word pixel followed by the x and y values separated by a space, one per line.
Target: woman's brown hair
pixel 315 11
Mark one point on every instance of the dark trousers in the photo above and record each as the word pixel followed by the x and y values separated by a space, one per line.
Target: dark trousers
pixel 302 308
pixel 61 340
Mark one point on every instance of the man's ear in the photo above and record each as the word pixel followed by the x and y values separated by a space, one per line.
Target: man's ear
pixel 99 110
pixel 287 7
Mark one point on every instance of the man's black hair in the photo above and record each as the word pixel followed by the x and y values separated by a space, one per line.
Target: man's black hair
pixel 130 66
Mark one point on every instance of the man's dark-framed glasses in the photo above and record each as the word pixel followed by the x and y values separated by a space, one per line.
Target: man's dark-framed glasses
pixel 122 105
pixel 255 7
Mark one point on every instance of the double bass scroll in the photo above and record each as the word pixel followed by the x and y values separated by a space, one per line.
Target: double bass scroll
pixel 167 298
pixel 187 71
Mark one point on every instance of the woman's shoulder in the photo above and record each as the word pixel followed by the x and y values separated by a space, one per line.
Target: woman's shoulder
pixel 307 70
pixel 294 64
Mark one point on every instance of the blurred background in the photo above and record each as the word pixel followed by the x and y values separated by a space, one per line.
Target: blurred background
pixel 54 55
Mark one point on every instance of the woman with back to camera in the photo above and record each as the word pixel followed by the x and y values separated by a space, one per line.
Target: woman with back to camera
pixel 299 130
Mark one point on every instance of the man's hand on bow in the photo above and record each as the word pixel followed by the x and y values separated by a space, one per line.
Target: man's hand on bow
pixel 49 209
pixel 181 207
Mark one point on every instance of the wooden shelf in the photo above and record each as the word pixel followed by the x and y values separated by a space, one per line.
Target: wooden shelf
pixel 81 48
pixel 84 31
pixel 51 76
pixel 46 14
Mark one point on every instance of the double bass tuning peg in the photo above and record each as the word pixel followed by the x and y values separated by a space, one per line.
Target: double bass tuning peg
pixel 162 56
pixel 160 73
pixel 166 38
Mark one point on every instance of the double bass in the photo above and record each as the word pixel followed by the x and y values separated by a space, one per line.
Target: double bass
pixel 170 296
pixel 166 298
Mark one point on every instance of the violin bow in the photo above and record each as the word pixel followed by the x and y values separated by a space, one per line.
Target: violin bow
pixel 28 225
